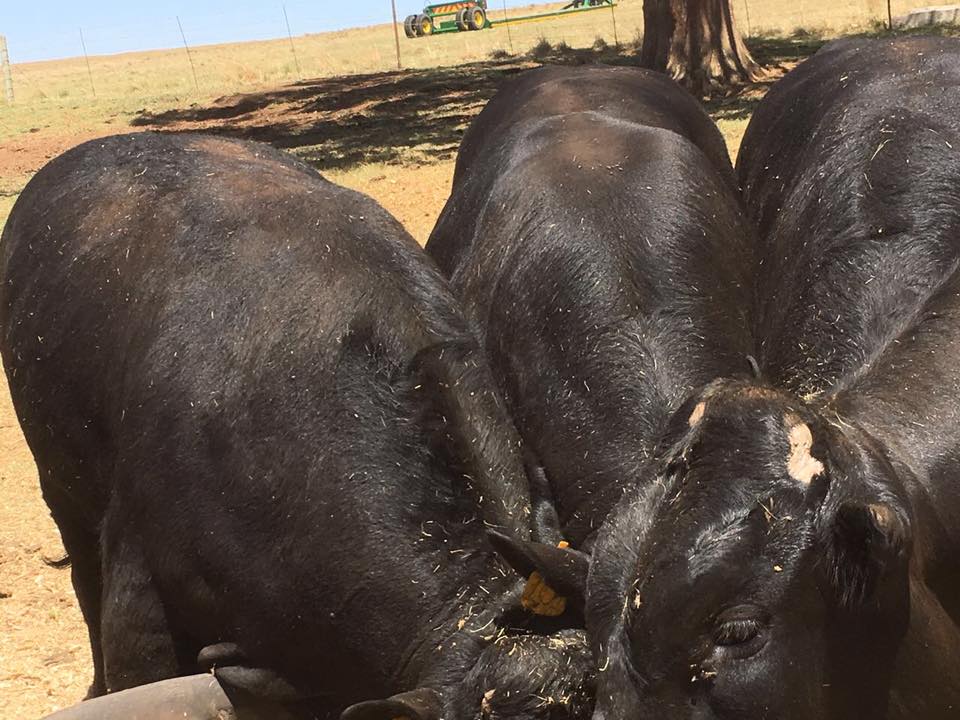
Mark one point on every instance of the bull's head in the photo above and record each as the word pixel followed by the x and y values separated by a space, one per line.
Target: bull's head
pixel 761 574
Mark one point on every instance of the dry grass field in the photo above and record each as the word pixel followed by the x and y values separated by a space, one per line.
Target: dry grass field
pixel 146 77
pixel 56 107
pixel 390 134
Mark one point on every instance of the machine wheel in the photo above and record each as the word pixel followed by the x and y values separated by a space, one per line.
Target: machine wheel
pixel 462 19
pixel 476 18
pixel 409 28
pixel 424 25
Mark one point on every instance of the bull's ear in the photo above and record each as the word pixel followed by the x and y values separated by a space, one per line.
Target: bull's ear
pixel 420 704
pixel 870 542
pixel 553 572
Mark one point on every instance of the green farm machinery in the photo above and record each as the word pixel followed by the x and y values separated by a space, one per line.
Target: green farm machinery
pixel 472 15
pixel 448 17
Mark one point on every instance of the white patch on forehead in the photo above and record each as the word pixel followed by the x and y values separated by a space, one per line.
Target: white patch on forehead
pixel 801 464
pixel 697 415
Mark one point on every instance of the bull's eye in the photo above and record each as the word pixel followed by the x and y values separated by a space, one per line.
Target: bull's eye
pixel 736 632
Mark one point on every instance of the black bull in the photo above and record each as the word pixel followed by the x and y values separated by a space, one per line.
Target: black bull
pixel 850 170
pixel 594 237
pixel 268 437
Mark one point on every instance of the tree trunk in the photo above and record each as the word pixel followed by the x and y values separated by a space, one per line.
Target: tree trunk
pixel 697 43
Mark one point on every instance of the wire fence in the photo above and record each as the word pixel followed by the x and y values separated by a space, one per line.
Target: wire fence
pixel 295 53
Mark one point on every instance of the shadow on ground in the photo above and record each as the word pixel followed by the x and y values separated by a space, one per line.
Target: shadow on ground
pixel 420 115
pixel 776 53
pixel 415 115
pixel 780 53
pixel 341 122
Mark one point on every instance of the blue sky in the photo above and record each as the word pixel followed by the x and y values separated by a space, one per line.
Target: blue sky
pixel 44 29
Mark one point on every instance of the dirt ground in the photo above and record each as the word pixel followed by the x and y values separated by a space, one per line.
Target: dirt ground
pixel 44 655
pixel 391 135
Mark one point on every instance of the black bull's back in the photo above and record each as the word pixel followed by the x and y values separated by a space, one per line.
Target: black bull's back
pixel 595 238
pixel 849 171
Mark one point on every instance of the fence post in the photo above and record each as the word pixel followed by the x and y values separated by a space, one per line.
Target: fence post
pixel 5 69
pixel 613 14
pixel 196 83
pixel 293 48
pixel 396 33
pixel 86 57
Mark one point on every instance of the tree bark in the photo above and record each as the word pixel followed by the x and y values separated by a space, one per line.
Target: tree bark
pixel 697 43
